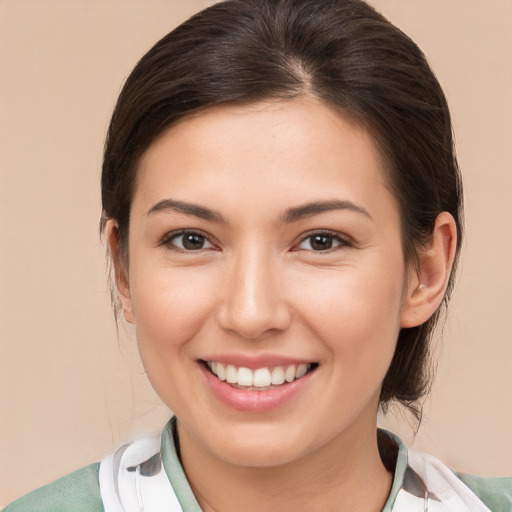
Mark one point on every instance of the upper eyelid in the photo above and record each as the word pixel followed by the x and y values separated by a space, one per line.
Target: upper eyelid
pixel 345 242
pixel 168 237
pixel 326 232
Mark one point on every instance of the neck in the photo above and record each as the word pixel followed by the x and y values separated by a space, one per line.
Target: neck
pixel 345 475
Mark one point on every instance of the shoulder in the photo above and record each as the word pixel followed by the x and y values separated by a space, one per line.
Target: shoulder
pixel 496 493
pixel 423 482
pixel 77 492
pixel 471 493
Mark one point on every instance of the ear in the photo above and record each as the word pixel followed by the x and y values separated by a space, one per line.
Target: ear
pixel 427 283
pixel 120 270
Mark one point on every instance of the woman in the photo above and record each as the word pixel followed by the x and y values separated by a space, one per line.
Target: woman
pixel 282 206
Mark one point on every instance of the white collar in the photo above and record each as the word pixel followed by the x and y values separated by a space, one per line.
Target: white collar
pixel 133 479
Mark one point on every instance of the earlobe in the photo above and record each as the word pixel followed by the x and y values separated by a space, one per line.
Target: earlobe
pixel 120 271
pixel 427 284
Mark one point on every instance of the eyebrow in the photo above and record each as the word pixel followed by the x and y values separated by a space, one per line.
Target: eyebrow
pixel 291 215
pixel 191 209
pixel 315 208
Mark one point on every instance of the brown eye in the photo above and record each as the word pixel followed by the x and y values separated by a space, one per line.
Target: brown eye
pixel 323 242
pixel 189 241
pixel 192 241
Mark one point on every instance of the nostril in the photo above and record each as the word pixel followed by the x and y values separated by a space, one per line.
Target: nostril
pixel 254 321
pixel 251 303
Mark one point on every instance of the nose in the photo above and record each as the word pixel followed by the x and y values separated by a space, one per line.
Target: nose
pixel 253 302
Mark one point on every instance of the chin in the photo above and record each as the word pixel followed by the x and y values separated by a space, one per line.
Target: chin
pixel 259 455
pixel 258 445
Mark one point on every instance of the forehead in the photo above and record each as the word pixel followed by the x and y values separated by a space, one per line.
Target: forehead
pixel 278 150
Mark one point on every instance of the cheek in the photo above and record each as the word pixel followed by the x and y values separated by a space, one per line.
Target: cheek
pixel 356 313
pixel 170 305
pixel 352 298
pixel 170 308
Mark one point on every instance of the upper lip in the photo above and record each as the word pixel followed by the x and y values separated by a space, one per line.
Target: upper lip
pixel 254 362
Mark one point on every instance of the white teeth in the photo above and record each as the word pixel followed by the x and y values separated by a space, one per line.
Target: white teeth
pixel 289 374
pixel 231 374
pixel 261 378
pixel 277 375
pixel 244 377
pixel 301 371
pixel 221 372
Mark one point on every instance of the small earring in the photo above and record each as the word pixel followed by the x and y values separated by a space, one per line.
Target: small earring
pixel 421 287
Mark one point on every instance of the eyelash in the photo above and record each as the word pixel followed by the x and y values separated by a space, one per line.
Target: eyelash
pixel 342 242
pixel 171 237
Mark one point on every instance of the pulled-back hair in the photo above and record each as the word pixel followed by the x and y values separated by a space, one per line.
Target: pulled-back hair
pixel 339 51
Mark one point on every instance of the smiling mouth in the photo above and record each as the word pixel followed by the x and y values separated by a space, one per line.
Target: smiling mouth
pixel 260 379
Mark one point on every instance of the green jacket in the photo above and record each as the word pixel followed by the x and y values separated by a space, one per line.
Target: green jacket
pixel 80 491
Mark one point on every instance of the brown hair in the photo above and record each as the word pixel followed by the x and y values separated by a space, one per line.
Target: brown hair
pixel 340 51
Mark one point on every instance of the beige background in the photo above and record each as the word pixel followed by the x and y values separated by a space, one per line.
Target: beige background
pixel 69 391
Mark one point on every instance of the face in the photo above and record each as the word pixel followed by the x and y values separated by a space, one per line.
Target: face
pixel 266 279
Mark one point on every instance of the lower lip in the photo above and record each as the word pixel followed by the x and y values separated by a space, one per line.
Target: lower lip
pixel 254 401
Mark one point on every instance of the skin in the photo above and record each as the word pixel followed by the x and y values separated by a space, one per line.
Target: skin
pixel 257 287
